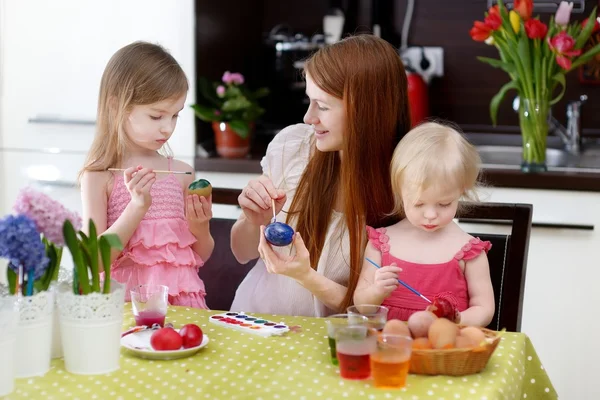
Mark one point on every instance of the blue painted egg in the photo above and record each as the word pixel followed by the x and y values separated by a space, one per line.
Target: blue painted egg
pixel 279 234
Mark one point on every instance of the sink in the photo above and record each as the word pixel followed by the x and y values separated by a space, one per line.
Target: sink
pixel 512 155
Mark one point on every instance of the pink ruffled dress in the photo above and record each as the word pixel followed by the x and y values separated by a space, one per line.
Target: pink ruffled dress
pixel 431 280
pixel 160 250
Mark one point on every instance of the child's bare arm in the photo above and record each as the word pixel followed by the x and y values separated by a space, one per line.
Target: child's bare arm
pixel 95 202
pixel 481 293
pixel 375 285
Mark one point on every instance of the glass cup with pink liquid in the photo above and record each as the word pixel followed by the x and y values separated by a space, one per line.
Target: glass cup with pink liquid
pixel 390 361
pixel 354 345
pixel 149 304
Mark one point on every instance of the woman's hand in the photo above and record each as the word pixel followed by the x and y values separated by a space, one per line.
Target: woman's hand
pixel 139 182
pixel 255 200
pixel 296 266
pixel 386 279
pixel 199 213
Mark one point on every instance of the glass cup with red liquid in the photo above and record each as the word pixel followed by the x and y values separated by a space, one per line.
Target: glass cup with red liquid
pixel 149 304
pixel 354 345
pixel 336 321
pixel 377 315
pixel 390 361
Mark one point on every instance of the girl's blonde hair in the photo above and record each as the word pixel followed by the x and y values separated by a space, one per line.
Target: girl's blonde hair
pixel 434 155
pixel 137 74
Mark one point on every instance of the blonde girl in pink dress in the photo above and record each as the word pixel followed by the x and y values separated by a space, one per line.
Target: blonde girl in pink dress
pixel 433 167
pixel 165 231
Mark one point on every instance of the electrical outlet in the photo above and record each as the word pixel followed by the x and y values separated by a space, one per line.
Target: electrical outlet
pixel 426 61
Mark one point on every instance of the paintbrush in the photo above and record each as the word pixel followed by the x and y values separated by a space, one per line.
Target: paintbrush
pixel 158 171
pixel 406 285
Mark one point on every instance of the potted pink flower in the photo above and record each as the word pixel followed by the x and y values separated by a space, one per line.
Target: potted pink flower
pixel 232 109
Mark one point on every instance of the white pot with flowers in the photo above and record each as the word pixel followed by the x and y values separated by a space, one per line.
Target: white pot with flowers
pixel 28 281
pixel 91 311
pixel 49 216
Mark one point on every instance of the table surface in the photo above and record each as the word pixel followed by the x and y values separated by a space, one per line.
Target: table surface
pixel 238 365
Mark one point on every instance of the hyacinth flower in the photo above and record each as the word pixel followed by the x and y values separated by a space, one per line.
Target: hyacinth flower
pixel 21 244
pixel 49 216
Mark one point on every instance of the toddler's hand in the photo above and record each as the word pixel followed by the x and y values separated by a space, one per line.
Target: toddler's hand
pixel 386 279
pixel 255 200
pixel 139 182
pixel 199 213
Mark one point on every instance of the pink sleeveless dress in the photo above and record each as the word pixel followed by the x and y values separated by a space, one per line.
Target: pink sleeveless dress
pixel 431 280
pixel 159 252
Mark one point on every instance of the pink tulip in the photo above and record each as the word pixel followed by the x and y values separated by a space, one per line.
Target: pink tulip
pixel 563 14
pixel 220 90
pixel 562 45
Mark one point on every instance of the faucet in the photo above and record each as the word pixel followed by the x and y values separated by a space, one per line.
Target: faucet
pixel 571 135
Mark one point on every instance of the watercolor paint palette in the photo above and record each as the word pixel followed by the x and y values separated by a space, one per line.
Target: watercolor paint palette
pixel 250 324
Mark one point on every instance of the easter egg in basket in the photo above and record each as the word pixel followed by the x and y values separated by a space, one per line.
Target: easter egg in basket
pixel 279 234
pixel 201 187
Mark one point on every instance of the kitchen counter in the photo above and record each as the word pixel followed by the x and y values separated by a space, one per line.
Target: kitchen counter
pixel 507 175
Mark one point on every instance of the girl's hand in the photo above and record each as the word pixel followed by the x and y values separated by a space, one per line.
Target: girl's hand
pixel 386 279
pixel 255 200
pixel 199 213
pixel 139 182
pixel 296 266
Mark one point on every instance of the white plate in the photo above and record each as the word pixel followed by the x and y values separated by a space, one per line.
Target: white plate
pixel 139 344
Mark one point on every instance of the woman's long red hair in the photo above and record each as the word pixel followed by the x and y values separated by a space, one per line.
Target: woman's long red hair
pixel 367 74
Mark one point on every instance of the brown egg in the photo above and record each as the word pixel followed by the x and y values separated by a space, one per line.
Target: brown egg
pixel 421 343
pixel 396 327
pixel 442 333
pixel 419 323
pixel 474 334
pixel 463 342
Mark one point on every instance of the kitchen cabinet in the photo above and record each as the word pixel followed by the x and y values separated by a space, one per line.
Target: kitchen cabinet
pixel 53 56
pixel 561 283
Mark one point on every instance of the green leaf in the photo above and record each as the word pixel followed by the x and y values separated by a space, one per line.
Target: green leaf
pixel 497 99
pixel 106 242
pixel 59 254
pixel 525 56
pixel 92 246
pixel 260 93
pixel 11 278
pixel 76 253
pixel 585 33
pixel 204 113
pixel 241 128
pixel 560 80
pixel 236 104
pixel 585 57
pixel 509 68
pixel 208 92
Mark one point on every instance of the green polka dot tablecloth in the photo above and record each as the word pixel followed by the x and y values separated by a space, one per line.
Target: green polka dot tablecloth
pixel 238 365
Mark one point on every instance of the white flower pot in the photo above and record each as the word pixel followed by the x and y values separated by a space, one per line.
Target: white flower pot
pixel 9 316
pixel 90 328
pixel 64 275
pixel 34 334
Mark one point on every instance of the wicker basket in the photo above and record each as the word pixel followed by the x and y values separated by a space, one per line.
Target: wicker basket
pixel 455 362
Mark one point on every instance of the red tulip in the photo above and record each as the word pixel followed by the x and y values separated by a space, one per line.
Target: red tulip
pixel 536 29
pixel 493 21
pixel 596 25
pixel 524 8
pixel 562 45
pixel 480 31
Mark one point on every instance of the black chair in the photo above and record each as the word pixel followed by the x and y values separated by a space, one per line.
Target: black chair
pixel 222 274
pixel 507 258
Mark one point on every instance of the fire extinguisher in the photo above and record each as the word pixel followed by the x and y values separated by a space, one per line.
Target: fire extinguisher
pixel 418 97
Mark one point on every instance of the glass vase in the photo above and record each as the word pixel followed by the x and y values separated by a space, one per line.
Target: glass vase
pixel 533 121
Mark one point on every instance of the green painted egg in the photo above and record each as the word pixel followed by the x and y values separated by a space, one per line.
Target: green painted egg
pixel 201 187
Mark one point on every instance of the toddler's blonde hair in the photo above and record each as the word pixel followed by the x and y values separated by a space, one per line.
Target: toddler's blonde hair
pixel 434 154
pixel 138 74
